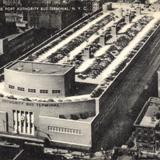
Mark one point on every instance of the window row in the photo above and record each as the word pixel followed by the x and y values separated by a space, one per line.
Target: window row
pixel 64 130
pixel 34 90
pixel 55 91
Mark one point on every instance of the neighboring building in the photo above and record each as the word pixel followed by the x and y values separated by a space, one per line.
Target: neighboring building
pixel 2 15
pixel 146 136
pixel 96 5
pixel 48 80
pixel 17 43
pixel 51 103
pixel 148 126
pixel 44 18
pixel 158 72
pixel 12 2
pixel 16 18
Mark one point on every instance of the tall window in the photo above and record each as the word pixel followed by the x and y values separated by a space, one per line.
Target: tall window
pixel 23 122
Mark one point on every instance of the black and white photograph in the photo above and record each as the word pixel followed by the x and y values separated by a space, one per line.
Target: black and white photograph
pixel 79 79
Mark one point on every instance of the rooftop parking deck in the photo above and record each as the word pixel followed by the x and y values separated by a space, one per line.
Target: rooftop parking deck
pixel 102 46
pixel 104 57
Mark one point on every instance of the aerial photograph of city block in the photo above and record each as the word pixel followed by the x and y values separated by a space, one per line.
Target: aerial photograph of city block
pixel 79 79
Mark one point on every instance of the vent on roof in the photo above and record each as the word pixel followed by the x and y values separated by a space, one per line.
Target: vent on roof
pixel 36 70
pixel 19 68
pixel 153 119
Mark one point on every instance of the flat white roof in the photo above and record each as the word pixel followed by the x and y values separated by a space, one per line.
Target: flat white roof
pixel 148 115
pixel 40 68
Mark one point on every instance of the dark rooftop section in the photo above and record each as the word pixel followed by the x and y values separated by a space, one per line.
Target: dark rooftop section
pixel 8 29
pixel 83 88
pixel 150 114
pixel 40 68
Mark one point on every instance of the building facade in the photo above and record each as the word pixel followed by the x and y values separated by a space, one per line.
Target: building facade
pixel 44 17
pixel 34 107
pixel 70 106
pixel 148 127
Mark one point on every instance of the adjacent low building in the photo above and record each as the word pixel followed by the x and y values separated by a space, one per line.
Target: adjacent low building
pixel 148 126
pixel 16 43
pixel 51 14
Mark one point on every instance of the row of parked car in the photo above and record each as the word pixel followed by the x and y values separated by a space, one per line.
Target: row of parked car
pixel 78 116
pixel 114 51
pixel 64 51
pixel 104 60
pixel 138 26
pixel 62 37
pixel 123 42
pixel 79 59
pixel 46 101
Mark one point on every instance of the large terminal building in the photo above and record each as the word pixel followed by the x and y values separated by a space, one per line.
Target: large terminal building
pixel 59 93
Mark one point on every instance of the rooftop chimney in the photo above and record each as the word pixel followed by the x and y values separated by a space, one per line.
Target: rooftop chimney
pixel 128 18
pixel 106 7
pixel 138 10
pixel 102 40
pixel 114 30
pixel 87 53
pixel 120 12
